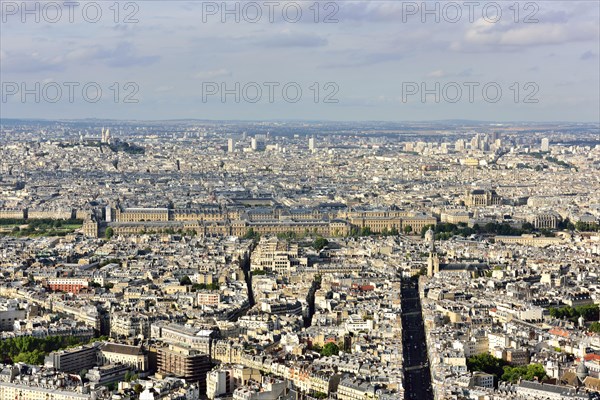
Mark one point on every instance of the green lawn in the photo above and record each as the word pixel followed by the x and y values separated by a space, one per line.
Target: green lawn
pixel 38 227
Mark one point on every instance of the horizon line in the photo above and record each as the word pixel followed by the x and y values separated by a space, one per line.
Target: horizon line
pixel 302 120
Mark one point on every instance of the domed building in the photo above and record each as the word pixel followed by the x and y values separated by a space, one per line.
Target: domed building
pixel 582 371
pixel 430 239
pixel 576 379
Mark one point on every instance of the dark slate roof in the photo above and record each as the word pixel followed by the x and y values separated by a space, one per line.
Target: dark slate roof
pixel 122 349
pixel 562 390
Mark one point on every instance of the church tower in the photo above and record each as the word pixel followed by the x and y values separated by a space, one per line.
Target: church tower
pixel 433 264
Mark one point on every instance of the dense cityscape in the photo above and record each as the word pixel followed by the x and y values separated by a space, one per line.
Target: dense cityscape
pixel 195 259
pixel 299 200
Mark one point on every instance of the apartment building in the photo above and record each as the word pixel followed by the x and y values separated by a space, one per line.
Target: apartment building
pixel 73 360
pixel 184 362
pixel 70 285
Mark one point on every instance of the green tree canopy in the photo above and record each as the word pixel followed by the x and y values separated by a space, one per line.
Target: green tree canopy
pixel 589 312
pixel 320 243
pixel 204 286
pixel 487 363
pixel 527 372
pixel 330 349
pixel 365 231
pixel 32 350
pixel 251 234
pixel 595 327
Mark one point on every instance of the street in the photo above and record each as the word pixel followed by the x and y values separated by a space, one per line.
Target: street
pixel 416 365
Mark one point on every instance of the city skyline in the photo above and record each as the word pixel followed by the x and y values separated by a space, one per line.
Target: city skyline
pixel 256 260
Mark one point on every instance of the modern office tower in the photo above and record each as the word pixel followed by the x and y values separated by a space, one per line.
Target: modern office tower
pixel 459 145
pixel 545 144
pixel 230 145
pixel 258 143
pixel 476 142
pixel 105 137
pixel 108 211
pixel 311 144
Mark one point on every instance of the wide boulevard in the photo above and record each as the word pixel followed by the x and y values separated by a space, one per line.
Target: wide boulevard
pixel 417 378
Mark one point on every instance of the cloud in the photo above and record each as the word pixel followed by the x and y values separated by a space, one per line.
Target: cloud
pixel 571 83
pixel 550 16
pixel 122 28
pixel 436 74
pixel 354 59
pixel 371 12
pixel 30 62
pixel 213 74
pixel 487 36
pixel 588 55
pixel 123 55
pixel 465 73
pixel 288 38
pixel 164 89
pixel 415 12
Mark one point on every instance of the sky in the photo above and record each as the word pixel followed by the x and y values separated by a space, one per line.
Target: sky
pixel 337 60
